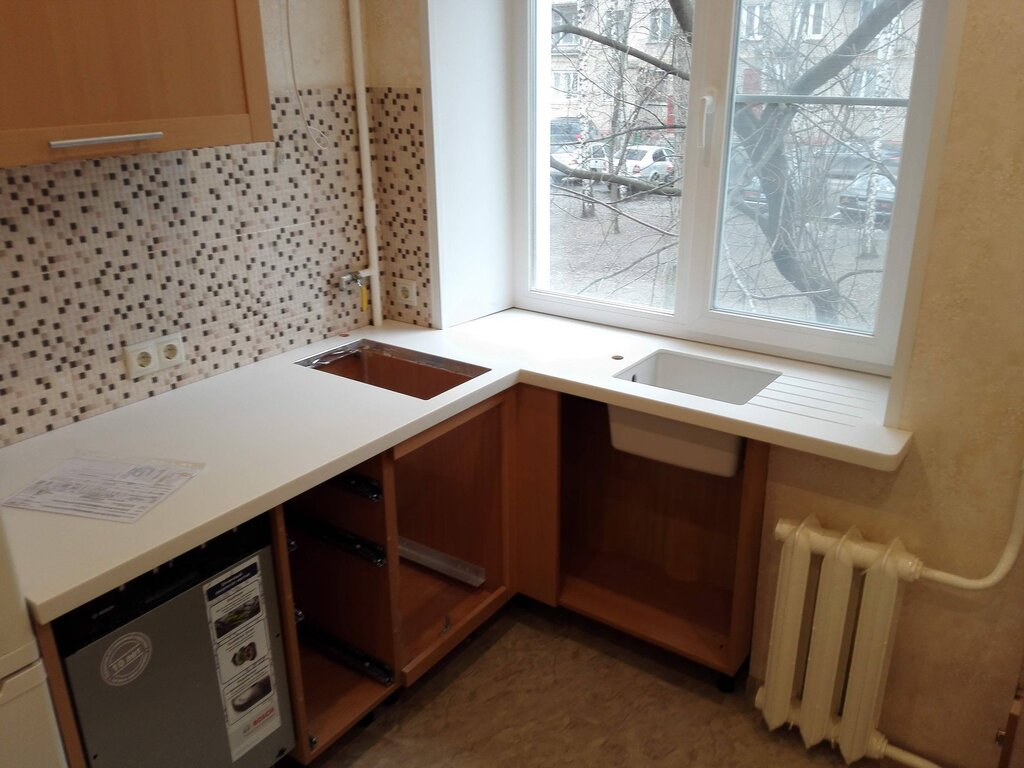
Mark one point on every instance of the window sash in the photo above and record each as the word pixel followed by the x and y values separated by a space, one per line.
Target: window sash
pixel 717 29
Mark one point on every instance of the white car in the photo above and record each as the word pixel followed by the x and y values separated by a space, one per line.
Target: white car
pixel 648 162
pixel 588 157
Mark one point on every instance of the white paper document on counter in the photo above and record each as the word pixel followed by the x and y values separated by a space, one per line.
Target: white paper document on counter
pixel 104 489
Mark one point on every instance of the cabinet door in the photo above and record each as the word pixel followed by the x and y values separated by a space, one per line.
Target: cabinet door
pixel 164 74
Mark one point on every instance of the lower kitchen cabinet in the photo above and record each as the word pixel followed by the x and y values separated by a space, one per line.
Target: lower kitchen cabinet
pixel 331 545
pixel 663 553
pixel 383 570
pixel 389 566
pixel 451 498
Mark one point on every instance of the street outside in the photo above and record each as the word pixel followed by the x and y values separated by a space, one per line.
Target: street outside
pixel 636 265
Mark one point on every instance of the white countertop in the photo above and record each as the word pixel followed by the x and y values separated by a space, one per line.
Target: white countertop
pixel 271 430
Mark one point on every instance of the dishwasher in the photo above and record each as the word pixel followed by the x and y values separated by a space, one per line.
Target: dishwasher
pixel 184 666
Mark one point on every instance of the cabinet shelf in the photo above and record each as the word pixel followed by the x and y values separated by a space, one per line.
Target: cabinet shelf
pixel 336 697
pixel 437 613
pixel 690 618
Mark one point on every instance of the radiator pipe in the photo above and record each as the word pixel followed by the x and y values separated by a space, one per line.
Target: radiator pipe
pixel 1010 554
pixel 907 758
pixel 910 567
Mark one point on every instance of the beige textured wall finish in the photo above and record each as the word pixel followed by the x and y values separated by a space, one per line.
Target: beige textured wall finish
pixel 320 39
pixel 391 30
pixel 957 654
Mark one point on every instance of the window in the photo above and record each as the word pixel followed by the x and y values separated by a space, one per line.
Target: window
pixel 755 198
pixel 565 83
pixel 563 14
pixel 615 24
pixel 865 83
pixel 661 22
pixel 815 28
pixel 866 7
pixel 750 21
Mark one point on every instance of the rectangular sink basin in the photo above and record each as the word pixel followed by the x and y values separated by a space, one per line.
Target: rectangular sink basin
pixel 675 442
pixel 397 369
pixel 726 382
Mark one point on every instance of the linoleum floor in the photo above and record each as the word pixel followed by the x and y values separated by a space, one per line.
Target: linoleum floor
pixel 542 687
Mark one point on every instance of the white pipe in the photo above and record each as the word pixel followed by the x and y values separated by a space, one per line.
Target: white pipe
pixel 355 22
pixel 1010 554
pixel 907 758
pixel 910 567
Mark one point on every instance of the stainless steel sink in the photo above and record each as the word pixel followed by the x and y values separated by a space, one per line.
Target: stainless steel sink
pixel 394 368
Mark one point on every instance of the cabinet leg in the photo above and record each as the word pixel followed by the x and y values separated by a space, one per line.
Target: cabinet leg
pixel 367 720
pixel 728 683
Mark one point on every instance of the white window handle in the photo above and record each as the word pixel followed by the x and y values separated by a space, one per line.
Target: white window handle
pixel 707 121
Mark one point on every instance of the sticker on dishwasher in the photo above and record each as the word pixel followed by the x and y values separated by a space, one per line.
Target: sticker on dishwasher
pixel 236 612
pixel 126 658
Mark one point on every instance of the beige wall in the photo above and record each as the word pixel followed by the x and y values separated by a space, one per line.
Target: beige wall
pixel 957 655
pixel 391 31
pixel 320 39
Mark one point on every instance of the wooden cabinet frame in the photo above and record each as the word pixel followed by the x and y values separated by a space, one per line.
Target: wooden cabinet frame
pixel 242 48
pixel 700 610
pixel 428 615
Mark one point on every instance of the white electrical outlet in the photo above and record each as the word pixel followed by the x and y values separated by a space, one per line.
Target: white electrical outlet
pixel 148 357
pixel 141 359
pixel 406 290
pixel 170 350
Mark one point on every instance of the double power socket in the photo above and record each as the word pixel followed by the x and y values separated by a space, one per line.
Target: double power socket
pixel 154 355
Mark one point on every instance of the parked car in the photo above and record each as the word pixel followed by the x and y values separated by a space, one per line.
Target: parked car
pixel 849 159
pixel 853 199
pixel 590 157
pixel 570 131
pixel 646 161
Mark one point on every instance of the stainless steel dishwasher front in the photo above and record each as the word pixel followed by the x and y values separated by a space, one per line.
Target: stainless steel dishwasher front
pixel 189 668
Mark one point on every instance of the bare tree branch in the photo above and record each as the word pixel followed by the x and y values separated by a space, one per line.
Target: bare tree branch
pixel 610 42
pixel 854 44
pixel 683 11
pixel 761 137
pixel 629 266
pixel 633 183
pixel 589 199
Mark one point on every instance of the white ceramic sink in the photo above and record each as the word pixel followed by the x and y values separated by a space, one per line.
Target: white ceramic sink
pixel 674 442
pixel 728 382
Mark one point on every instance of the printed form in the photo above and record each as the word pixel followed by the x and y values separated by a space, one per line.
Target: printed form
pixel 104 489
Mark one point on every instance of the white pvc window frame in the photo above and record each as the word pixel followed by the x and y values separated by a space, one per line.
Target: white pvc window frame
pixel 716 29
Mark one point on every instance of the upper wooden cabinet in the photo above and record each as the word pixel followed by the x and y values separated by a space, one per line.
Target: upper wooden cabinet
pixel 115 77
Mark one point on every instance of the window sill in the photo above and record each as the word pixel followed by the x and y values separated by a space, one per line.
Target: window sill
pixel 830 412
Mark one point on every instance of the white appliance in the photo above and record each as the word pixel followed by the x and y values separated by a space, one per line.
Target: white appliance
pixel 28 728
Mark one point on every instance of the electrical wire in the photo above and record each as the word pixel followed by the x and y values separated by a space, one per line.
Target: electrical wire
pixel 318 137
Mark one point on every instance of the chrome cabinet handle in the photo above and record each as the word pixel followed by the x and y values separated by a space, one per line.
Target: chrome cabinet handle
pixel 93 140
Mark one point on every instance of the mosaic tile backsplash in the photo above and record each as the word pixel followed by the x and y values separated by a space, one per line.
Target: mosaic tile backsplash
pixel 399 157
pixel 239 248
